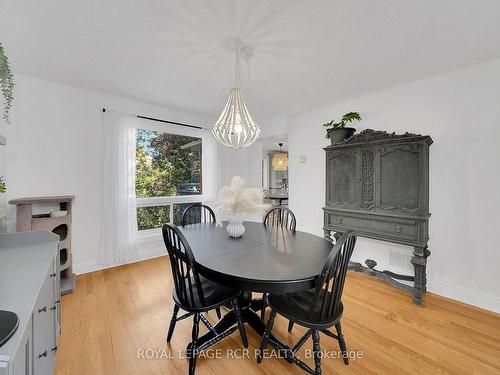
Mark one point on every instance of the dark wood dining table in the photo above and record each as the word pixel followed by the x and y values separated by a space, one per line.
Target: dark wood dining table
pixel 271 260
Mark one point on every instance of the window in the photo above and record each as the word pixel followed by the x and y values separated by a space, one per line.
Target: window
pixel 169 169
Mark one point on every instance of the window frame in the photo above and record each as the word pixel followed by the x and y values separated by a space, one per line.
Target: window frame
pixel 171 200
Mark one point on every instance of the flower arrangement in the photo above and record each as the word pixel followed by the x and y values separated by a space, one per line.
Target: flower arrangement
pixel 238 198
pixel 235 199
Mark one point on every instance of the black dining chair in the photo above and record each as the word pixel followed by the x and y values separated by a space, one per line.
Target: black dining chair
pixel 197 213
pixel 195 294
pixel 317 309
pixel 278 216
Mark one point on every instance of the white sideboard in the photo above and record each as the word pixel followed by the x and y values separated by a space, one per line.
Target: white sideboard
pixel 29 286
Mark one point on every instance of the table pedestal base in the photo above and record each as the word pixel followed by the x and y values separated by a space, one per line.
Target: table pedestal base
pixel 228 324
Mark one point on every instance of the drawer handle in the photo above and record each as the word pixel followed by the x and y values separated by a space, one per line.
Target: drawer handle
pixel 43 309
pixel 52 275
pixel 398 228
pixel 339 220
pixel 44 354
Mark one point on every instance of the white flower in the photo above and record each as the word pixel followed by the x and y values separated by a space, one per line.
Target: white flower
pixel 237 198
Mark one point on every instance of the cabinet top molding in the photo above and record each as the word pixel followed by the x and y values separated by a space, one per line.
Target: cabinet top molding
pixel 379 136
pixel 47 199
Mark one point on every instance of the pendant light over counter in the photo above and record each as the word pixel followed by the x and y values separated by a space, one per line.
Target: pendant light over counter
pixel 280 160
pixel 236 127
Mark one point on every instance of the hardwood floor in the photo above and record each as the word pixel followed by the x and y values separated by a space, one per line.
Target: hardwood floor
pixel 116 313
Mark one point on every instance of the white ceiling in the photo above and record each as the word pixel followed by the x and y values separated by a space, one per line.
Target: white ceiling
pixel 271 143
pixel 308 54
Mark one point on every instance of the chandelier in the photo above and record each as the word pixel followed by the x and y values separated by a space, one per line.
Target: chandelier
pixel 236 127
pixel 280 160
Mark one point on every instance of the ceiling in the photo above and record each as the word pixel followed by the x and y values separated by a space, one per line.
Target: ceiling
pixel 308 54
pixel 271 143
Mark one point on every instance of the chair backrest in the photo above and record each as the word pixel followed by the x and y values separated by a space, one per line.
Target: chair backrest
pixel 280 216
pixel 197 213
pixel 330 283
pixel 187 281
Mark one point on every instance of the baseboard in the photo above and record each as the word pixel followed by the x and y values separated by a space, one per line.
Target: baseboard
pixel 468 296
pixel 94 265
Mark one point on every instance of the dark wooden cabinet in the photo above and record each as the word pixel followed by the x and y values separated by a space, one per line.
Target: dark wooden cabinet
pixel 377 183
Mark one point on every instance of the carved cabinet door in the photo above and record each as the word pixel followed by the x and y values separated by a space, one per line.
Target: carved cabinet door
pixel 399 177
pixel 342 176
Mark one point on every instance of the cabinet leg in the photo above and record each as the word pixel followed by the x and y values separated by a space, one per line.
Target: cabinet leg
pixel 419 261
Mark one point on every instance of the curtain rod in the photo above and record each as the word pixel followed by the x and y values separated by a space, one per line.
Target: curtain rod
pixel 165 121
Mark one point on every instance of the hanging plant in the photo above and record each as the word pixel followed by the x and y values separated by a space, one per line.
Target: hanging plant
pixel 7 84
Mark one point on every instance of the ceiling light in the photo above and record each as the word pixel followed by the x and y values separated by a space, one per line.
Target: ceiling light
pixel 236 127
pixel 280 160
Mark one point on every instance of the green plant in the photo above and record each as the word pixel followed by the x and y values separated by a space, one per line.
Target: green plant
pixel 6 83
pixel 347 118
pixel 3 188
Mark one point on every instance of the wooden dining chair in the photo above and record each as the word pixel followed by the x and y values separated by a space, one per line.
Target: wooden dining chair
pixel 197 213
pixel 317 309
pixel 195 294
pixel 278 216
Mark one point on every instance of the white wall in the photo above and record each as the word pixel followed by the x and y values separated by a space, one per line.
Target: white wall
pixel 54 147
pixel 244 162
pixel 247 162
pixel 460 110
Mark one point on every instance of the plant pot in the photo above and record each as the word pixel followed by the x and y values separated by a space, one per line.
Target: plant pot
pixel 340 135
pixel 235 228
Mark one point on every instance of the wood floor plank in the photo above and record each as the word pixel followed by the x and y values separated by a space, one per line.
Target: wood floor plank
pixel 116 313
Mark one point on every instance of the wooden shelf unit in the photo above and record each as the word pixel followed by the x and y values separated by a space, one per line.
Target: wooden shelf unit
pixel 27 221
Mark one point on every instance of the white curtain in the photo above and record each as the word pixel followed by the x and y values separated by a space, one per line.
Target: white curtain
pixel 119 221
pixel 211 169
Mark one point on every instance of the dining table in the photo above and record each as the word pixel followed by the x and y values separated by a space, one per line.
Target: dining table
pixel 264 259
pixel 280 197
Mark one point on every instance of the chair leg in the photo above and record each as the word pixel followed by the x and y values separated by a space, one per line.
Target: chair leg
pixel 316 352
pixel 241 326
pixel 263 307
pixel 219 315
pixel 194 338
pixel 265 338
pixel 342 345
pixel 172 323
pixel 290 326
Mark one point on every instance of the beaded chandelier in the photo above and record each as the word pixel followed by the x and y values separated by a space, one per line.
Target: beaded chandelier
pixel 236 127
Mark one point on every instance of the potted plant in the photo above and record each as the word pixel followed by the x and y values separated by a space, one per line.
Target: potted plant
pixel 6 84
pixel 337 131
